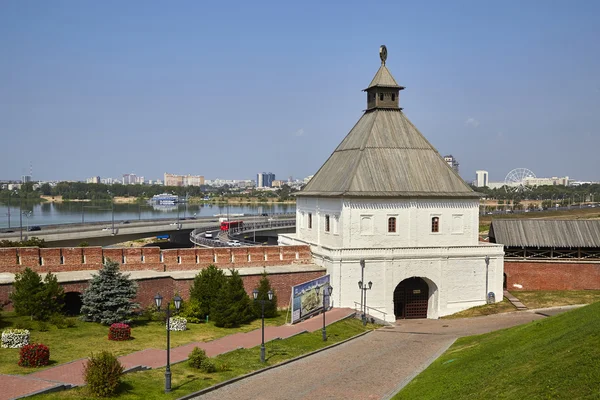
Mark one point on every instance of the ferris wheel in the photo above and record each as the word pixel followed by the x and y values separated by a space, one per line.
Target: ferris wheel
pixel 516 180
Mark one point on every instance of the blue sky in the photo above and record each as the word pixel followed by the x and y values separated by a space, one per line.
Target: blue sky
pixel 228 89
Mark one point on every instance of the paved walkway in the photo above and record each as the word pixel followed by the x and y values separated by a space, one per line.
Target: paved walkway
pixel 71 374
pixel 374 366
pixel 515 302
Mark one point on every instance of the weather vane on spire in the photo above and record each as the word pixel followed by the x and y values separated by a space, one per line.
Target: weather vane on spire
pixel 383 53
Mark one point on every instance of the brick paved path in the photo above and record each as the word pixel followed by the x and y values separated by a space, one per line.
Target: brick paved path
pixel 71 374
pixel 374 366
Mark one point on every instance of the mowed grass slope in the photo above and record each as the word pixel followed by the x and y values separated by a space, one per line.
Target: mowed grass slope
pixel 553 358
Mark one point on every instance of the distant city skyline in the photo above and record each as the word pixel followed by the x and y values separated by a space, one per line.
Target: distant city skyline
pixel 94 89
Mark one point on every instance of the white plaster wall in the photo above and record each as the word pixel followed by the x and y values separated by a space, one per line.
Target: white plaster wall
pixel 360 223
pixel 319 208
pixel 456 277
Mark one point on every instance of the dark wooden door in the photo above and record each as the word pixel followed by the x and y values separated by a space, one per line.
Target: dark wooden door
pixel 410 299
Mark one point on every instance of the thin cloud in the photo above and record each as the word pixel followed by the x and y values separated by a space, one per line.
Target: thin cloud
pixel 472 122
pixel 299 132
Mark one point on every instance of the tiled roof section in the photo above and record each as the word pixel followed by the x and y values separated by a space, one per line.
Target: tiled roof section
pixel 546 233
pixel 385 155
pixel 383 78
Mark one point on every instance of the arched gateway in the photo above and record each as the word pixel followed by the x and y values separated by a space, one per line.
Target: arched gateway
pixel 411 297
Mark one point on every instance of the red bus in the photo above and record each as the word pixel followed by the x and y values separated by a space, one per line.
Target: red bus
pixel 226 225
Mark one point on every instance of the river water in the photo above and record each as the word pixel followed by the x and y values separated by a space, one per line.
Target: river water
pixel 76 212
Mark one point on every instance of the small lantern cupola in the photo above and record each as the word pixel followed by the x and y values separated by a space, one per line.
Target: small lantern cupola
pixel 383 91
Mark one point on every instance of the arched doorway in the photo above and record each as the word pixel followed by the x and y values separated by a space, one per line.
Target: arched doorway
pixel 411 297
pixel 73 303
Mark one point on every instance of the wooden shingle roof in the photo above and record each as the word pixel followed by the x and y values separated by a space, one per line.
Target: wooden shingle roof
pixel 383 78
pixel 385 155
pixel 546 233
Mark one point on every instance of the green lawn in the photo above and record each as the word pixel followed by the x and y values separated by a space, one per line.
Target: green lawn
pixel 72 343
pixel 541 299
pixel 487 309
pixel 150 384
pixel 553 358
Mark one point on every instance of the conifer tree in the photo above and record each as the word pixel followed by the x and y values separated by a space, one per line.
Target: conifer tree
pixel 109 297
pixel 233 306
pixel 270 306
pixel 205 289
pixel 38 298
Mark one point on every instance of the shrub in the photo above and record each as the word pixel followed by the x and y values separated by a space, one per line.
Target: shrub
pixel 207 365
pixel 103 374
pixel 109 296
pixel 15 338
pixel 119 332
pixel 24 325
pixel 70 323
pixel 59 321
pixel 177 324
pixel 34 355
pixel 43 326
pixel 192 311
pixel 196 357
pixel 152 314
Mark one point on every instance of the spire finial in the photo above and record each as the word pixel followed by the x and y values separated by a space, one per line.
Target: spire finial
pixel 383 53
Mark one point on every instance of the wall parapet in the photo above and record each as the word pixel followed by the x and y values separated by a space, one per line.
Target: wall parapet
pixel 66 259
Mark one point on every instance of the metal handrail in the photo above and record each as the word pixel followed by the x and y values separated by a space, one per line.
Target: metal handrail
pixel 356 308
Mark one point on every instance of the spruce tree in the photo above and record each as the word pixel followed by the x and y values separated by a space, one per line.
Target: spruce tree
pixel 109 297
pixel 205 289
pixel 233 306
pixel 36 298
pixel 270 306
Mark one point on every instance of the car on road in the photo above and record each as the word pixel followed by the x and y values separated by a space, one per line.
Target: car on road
pixel 234 243
pixel 8 231
pixel 34 228
pixel 108 228
pixel 208 234
pixel 124 222
pixel 264 215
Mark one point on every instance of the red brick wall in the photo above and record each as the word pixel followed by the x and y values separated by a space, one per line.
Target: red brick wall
pixel 167 287
pixel 552 275
pixel 148 258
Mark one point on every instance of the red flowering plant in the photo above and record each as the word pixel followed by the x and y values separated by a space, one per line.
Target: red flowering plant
pixel 34 355
pixel 119 331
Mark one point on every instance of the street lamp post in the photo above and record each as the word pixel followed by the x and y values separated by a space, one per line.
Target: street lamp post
pixel 327 290
pixel 9 195
pixel 364 288
pixel 362 278
pixel 21 218
pixel 158 301
pixel 262 306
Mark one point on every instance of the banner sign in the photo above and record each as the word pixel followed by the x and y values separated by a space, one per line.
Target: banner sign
pixel 306 301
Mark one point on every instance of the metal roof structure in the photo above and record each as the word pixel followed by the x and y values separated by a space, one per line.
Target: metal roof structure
pixel 385 155
pixel 546 233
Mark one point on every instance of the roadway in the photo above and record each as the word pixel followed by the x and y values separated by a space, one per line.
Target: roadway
pixel 105 233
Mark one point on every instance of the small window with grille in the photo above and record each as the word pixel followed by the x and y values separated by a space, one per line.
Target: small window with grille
pixel 435 224
pixel 309 220
pixel 327 223
pixel 391 224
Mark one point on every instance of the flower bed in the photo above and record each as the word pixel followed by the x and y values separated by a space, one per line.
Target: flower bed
pixel 178 324
pixel 15 338
pixel 34 355
pixel 119 331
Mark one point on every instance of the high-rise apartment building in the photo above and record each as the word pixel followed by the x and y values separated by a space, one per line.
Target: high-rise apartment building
pixel 183 180
pixel 481 178
pixel 265 179
pixel 93 179
pixel 25 178
pixel 452 162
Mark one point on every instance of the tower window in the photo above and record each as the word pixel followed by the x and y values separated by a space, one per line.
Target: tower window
pixel 393 96
pixel 309 220
pixel 392 224
pixel 327 223
pixel 435 224
pixel 380 96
